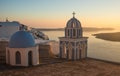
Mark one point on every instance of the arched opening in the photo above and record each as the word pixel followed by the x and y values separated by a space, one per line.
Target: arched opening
pixel 30 58
pixel 73 56
pixel 67 53
pixel 8 57
pixel 80 33
pixel 71 33
pixel 68 32
pixel 74 32
pixel 64 50
pixel 79 53
pixel 18 57
pixel 77 32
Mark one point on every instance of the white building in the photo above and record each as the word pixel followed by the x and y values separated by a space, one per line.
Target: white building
pixel 8 28
pixel 73 46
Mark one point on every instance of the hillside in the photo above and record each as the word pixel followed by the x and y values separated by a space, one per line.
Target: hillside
pixel 87 67
pixel 109 36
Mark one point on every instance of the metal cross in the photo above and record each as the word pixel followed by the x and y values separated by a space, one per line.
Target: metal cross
pixel 73 14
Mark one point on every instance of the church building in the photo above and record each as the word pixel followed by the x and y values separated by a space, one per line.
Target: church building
pixel 73 46
pixel 20 47
pixel 22 50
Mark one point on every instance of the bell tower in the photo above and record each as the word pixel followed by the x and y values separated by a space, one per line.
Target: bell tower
pixel 73 46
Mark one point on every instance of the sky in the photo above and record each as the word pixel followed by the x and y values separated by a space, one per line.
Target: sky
pixel 56 13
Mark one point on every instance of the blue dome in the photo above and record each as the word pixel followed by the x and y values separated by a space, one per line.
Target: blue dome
pixel 21 39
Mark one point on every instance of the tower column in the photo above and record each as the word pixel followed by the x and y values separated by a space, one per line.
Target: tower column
pixel 75 51
pixel 76 33
pixel 75 56
pixel 78 54
pixel 64 52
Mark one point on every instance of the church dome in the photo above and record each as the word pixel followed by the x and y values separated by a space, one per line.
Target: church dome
pixel 21 39
pixel 73 22
pixel 73 28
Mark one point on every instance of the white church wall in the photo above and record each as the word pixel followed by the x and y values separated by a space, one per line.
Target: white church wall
pixel 12 56
pixel 35 55
pixel 24 56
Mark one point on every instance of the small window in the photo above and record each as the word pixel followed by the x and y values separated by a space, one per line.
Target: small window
pixel 68 32
pixel 74 32
pixel 18 57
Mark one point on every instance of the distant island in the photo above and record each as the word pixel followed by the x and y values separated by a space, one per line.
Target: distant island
pixel 109 36
pixel 84 29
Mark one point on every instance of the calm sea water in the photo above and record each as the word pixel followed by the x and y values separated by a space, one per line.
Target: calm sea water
pixel 97 48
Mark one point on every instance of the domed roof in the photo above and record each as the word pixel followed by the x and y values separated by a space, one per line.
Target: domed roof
pixel 21 39
pixel 73 22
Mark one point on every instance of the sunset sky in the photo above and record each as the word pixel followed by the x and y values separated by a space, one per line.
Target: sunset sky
pixel 55 13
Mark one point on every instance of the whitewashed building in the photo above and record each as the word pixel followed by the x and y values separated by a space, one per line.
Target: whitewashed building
pixel 73 46
pixel 8 28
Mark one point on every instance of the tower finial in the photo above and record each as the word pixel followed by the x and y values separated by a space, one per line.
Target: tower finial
pixel 7 20
pixel 73 14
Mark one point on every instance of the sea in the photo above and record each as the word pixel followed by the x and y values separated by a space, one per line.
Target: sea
pixel 97 48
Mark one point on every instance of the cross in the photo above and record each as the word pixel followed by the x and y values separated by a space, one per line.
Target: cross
pixel 7 20
pixel 73 14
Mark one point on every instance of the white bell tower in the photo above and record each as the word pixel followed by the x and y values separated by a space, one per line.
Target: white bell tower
pixel 73 46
